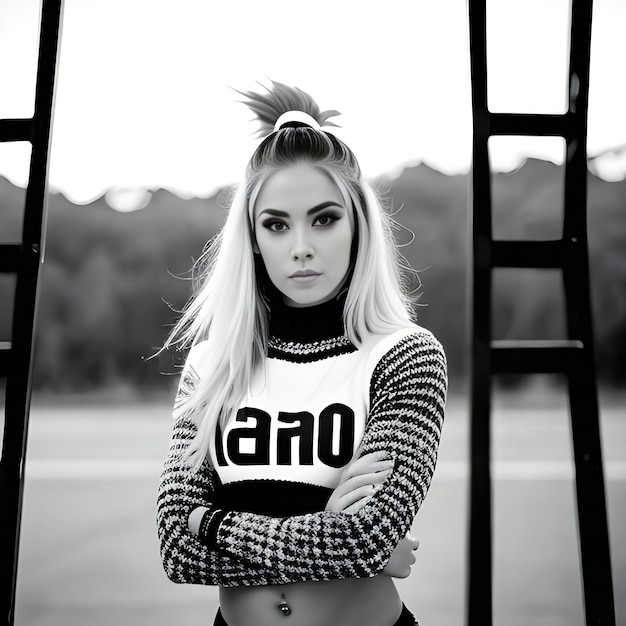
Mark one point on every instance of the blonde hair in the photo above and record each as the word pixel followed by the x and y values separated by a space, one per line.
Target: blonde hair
pixel 228 309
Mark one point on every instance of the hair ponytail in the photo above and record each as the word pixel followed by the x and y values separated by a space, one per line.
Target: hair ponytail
pixel 279 99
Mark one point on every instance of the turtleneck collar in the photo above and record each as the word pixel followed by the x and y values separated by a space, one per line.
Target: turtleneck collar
pixel 307 324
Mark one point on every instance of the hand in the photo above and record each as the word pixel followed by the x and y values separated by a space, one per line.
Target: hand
pixel 403 556
pixel 359 482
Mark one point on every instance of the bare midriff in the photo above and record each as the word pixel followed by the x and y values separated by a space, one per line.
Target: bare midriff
pixel 349 602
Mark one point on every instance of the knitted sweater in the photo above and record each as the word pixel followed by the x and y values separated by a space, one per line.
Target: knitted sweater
pixel 317 401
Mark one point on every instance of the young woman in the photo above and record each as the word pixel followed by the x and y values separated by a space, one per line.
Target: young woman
pixel 310 406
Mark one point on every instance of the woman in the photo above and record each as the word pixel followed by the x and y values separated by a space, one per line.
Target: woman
pixel 310 407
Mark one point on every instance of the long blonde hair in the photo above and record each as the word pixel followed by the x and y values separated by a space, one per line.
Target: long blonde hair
pixel 228 309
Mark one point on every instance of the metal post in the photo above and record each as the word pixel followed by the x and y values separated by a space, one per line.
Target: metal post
pixel 24 259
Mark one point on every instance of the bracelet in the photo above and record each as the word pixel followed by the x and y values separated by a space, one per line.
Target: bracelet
pixel 209 524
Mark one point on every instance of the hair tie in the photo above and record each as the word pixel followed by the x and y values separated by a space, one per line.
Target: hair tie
pixel 296 116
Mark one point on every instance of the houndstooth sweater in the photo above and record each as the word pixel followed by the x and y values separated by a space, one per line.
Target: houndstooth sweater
pixel 317 402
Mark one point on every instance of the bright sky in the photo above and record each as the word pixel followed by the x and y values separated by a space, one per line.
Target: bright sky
pixel 143 96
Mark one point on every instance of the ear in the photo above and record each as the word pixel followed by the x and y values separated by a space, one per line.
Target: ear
pixel 255 247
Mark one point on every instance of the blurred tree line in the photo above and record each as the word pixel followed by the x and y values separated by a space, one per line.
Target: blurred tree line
pixel 108 276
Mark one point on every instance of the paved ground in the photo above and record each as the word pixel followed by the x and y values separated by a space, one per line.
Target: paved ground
pixel 89 554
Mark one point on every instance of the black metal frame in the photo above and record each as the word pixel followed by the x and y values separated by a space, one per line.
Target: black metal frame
pixel 24 260
pixel 573 357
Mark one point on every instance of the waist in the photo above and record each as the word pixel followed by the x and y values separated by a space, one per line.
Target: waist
pixel 348 602
pixel 276 498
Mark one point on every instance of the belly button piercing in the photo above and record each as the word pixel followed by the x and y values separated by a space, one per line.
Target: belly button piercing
pixel 283 607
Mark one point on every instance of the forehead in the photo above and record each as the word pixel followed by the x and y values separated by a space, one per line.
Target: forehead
pixel 301 185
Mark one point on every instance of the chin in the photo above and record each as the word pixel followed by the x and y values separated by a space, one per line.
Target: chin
pixel 298 304
pixel 301 301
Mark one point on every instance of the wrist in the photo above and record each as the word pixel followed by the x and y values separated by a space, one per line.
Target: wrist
pixel 195 518
pixel 209 525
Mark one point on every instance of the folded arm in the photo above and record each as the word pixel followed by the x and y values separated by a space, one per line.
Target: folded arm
pixel 407 395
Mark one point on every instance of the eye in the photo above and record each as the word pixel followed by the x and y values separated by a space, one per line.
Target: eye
pixel 326 219
pixel 274 225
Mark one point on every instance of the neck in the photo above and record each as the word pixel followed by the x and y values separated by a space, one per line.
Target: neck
pixel 307 324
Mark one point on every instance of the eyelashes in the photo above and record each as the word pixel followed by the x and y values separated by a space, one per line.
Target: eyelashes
pixel 321 221
pixel 329 219
pixel 274 225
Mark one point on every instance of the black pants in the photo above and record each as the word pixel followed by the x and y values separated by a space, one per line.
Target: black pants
pixel 406 619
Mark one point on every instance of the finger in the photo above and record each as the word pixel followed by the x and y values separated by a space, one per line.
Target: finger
pixel 380 466
pixel 377 455
pixel 371 478
pixel 357 506
pixel 352 484
pixel 371 457
pixel 359 453
pixel 368 464
pixel 355 495
pixel 366 469
pixel 357 482
pixel 415 544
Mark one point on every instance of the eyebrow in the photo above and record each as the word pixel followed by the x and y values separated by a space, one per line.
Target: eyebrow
pixel 311 211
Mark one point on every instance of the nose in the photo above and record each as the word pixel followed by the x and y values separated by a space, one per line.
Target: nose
pixel 302 248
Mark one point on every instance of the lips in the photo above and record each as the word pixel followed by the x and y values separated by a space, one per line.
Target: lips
pixel 304 276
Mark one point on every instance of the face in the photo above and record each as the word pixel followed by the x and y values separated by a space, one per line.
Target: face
pixel 304 234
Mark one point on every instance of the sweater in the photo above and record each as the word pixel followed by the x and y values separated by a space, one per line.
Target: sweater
pixel 317 403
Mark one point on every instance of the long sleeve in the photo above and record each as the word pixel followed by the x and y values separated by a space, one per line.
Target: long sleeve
pixel 185 558
pixel 407 397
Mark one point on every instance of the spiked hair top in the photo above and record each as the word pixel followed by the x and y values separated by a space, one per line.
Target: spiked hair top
pixel 283 105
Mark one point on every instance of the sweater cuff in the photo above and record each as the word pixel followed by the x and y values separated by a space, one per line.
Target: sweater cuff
pixel 209 526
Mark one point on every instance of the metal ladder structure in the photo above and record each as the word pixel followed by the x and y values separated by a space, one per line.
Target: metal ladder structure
pixel 23 260
pixel 572 357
